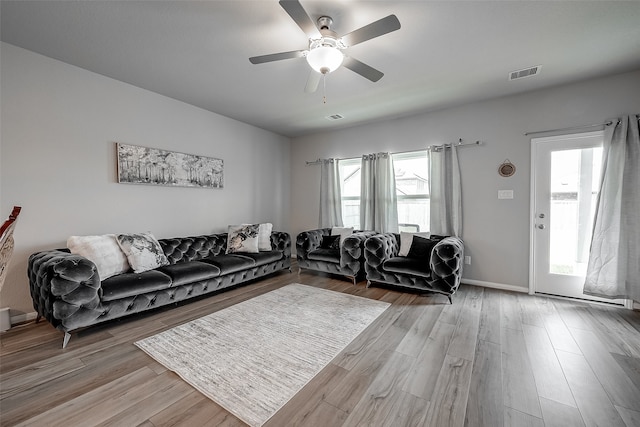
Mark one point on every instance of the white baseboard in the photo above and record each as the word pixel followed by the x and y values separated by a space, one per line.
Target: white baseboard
pixel 22 318
pixel 493 285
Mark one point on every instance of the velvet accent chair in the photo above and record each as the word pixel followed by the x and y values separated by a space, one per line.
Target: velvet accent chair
pixel 437 267
pixel 346 260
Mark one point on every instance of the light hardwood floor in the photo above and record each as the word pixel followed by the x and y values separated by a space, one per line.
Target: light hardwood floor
pixel 493 358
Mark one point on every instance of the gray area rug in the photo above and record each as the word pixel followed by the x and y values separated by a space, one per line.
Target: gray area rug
pixel 253 357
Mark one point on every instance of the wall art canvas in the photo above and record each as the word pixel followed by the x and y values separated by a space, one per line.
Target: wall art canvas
pixel 142 165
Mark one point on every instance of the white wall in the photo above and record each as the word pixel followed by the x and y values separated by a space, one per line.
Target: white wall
pixel 59 128
pixel 496 232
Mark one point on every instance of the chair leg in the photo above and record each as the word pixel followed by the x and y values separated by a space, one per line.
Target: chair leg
pixel 65 341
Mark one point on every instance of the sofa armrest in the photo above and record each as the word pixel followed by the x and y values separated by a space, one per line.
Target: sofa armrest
pixel 352 250
pixel 446 263
pixel 308 241
pixel 63 284
pixel 281 241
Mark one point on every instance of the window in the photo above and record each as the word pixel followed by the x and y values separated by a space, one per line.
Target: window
pixel 412 189
pixel 350 189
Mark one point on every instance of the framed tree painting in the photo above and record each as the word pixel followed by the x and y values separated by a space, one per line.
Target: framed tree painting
pixel 143 165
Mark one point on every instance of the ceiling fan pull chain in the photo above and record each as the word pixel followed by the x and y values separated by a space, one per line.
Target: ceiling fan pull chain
pixel 324 88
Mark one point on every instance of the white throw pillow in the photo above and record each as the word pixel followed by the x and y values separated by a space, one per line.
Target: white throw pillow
pixel 103 251
pixel 264 236
pixel 406 239
pixel 344 232
pixel 143 251
pixel 243 238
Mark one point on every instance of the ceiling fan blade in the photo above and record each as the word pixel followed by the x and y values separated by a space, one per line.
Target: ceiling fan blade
pixel 312 82
pixel 363 69
pixel 276 56
pixel 373 30
pixel 300 16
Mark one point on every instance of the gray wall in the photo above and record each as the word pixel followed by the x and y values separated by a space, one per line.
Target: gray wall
pixel 59 128
pixel 496 232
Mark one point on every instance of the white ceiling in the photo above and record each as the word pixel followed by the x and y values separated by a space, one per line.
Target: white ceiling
pixel 446 53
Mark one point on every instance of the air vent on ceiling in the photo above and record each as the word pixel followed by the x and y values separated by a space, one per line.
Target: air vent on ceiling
pixel 527 72
pixel 335 117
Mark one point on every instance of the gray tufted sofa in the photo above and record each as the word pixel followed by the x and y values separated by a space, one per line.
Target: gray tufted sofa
pixel 67 291
pixel 348 261
pixel 441 273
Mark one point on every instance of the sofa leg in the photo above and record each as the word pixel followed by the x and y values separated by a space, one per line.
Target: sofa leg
pixel 450 302
pixel 38 318
pixel 368 283
pixel 65 340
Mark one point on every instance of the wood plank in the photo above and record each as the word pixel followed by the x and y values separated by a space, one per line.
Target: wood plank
pixel 463 342
pixel 630 418
pixel 484 406
pixel 592 400
pixel 518 383
pixel 427 366
pixel 510 311
pixel 556 414
pixel 414 339
pixel 529 313
pixel 490 317
pixel 381 396
pixel 306 401
pixel 450 396
pixel 513 418
pixel 614 380
pixel 408 411
pixel 559 334
pixel 547 372
pixel 631 366
pixel 100 403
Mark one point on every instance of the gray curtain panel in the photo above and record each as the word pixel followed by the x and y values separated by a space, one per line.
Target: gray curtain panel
pixel 378 200
pixel 613 270
pixel 330 194
pixel 445 192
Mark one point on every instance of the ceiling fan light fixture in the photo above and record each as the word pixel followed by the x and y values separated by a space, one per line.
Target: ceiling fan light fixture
pixel 325 59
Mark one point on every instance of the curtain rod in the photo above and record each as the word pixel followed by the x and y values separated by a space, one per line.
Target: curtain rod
pixel 609 123
pixel 429 148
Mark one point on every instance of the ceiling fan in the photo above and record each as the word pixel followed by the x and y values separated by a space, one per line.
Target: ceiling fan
pixel 324 54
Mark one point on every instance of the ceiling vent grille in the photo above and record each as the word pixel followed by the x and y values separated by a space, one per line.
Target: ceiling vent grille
pixel 335 117
pixel 527 72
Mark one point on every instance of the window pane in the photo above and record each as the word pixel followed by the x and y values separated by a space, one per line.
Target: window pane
pixel 350 189
pixel 575 178
pixel 412 189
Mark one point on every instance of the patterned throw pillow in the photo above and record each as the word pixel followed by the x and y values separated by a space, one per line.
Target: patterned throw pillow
pixel 143 251
pixel 103 251
pixel 330 242
pixel 243 238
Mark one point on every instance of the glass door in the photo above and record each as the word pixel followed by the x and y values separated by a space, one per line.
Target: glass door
pixel 565 183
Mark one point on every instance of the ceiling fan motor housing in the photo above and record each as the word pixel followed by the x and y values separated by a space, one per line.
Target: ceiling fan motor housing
pixel 324 54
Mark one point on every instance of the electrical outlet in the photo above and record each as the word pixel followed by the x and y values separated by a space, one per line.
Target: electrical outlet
pixel 467 259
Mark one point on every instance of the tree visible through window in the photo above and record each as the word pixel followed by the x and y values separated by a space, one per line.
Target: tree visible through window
pixel 412 189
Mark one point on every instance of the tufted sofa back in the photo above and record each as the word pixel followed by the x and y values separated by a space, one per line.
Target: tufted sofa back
pixel 185 249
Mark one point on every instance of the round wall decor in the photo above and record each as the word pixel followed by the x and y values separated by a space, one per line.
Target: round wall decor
pixel 507 168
